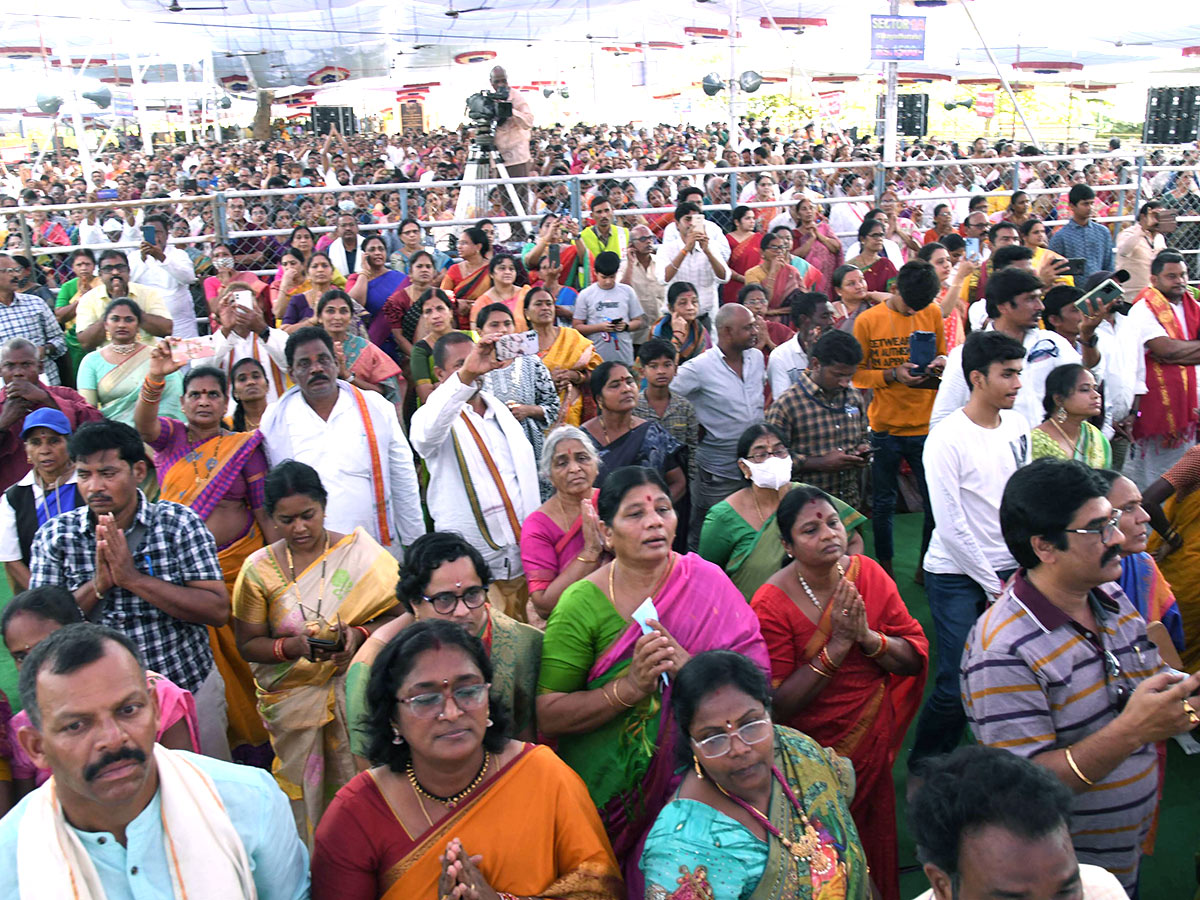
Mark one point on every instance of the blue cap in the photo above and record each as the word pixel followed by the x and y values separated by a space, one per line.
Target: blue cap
pixel 46 417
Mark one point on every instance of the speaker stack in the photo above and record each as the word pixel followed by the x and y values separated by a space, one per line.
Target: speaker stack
pixel 912 114
pixel 325 117
pixel 1172 115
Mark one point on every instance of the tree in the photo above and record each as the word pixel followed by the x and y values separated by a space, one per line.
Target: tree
pixel 262 116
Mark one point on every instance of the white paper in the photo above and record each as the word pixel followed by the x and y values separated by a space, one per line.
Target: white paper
pixel 642 616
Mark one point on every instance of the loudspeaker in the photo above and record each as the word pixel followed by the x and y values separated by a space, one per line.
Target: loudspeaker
pixel 1172 115
pixel 325 117
pixel 912 114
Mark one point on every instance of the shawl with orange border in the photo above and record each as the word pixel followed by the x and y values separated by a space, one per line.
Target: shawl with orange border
pixel 1168 409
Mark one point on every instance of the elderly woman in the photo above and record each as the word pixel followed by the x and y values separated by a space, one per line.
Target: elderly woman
pixel 739 532
pixel 605 681
pixel 624 439
pixel 848 662
pixel 764 816
pixel 452 807
pixel 776 274
pixel 445 578
pixel 302 606
pixel 560 540
pixel 680 326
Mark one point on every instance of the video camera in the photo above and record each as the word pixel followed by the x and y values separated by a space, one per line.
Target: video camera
pixel 487 109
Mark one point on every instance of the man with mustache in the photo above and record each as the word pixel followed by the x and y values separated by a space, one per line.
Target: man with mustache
pixel 1060 670
pixel 351 437
pixel 114 283
pixel 123 816
pixel 149 569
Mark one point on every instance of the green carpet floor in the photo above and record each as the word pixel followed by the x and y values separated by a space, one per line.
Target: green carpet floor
pixel 1168 875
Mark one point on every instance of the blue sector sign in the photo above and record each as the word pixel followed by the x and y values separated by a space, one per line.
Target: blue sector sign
pixel 896 38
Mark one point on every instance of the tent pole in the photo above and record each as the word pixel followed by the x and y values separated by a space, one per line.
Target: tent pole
pixel 1003 81
pixel 889 104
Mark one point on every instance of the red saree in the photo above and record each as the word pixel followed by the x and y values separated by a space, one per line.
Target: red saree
pixel 466 286
pixel 864 713
pixel 742 258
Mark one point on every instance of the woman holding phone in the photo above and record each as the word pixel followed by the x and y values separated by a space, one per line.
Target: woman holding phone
pixel 227 274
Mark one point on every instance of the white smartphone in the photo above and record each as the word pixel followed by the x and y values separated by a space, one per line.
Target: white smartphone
pixel 510 346
pixel 244 299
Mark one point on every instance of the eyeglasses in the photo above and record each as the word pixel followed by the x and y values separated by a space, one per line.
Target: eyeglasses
pixel 877 234
pixel 468 698
pixel 761 455
pixel 108 270
pixel 719 744
pixel 976 224
pixel 1106 531
pixel 10 270
pixel 446 601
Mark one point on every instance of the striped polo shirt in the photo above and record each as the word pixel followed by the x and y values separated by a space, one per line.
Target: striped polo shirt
pixel 1034 680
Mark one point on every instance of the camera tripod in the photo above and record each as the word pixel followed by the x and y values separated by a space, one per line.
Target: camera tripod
pixel 473 198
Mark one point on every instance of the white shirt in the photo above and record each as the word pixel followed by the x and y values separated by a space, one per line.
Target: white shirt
pixel 785 364
pixel 171 277
pixel 10 544
pixel 844 219
pixel 434 429
pixel 1052 350
pixel 337 448
pixel 1098 884
pixel 967 467
pixel 695 267
pixel 1141 327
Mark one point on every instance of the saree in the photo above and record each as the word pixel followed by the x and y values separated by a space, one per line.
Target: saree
pixel 694 852
pixel 531 822
pixel 116 387
pixel 223 460
pixel 368 362
pixel 748 555
pixel 628 763
pixel 880 274
pixel 820 256
pixel 1093 447
pixel 743 256
pixel 303 703
pixel 570 350
pixel 649 444
pixel 515 304
pixel 1182 567
pixel 696 342
pixel 466 286
pixel 546 550
pixel 864 712
pixel 786 280
pixel 515 650
pixel 1147 589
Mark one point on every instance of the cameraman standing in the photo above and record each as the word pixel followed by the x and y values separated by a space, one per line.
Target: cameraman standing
pixel 513 134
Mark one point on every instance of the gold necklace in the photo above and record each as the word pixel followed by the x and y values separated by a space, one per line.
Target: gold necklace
pixel 612 574
pixel 123 349
pixel 453 800
pixel 1066 437
pixel 758 509
pixel 292 572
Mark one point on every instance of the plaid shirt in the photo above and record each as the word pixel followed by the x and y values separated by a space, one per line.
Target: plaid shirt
pixel 177 547
pixel 680 422
pixel 29 317
pixel 814 423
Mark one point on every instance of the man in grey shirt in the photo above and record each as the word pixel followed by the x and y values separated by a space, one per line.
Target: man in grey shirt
pixel 725 386
pixel 607 312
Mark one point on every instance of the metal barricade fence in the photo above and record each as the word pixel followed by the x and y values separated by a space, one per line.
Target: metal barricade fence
pixel 875 175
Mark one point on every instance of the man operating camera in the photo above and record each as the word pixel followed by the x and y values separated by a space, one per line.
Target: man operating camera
pixel 514 132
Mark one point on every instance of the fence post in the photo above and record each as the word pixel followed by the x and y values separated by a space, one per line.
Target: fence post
pixel 403 203
pixel 576 201
pixel 220 224
pixel 26 235
pixel 879 177
pixel 733 193
pixel 1137 196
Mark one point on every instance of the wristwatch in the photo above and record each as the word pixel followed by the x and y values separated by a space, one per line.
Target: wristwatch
pixel 1091 342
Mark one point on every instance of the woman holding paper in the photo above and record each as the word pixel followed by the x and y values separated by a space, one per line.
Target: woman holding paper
pixel 614 642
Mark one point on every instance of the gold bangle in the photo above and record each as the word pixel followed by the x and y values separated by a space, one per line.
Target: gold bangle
pixel 820 672
pixel 1075 769
pixel 617 693
pixel 883 642
pixel 583 559
pixel 604 693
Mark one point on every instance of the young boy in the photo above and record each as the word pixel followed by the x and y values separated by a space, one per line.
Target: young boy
pixel 607 312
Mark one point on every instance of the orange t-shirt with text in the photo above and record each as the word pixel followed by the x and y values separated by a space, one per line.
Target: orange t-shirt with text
pixel 883 333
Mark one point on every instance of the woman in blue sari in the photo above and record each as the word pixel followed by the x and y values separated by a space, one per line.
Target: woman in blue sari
pixel 371 288
pixel 679 325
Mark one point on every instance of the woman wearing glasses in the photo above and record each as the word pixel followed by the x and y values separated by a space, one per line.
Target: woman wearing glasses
pixel 453 808
pixel 605 685
pixel 762 811
pixel 739 532
pixel 848 662
pixel 877 269
pixel 302 607
pixel 445 578
pixel 1072 397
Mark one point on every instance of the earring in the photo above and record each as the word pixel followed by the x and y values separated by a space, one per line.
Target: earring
pixel 1060 415
pixel 696 765
pixel 397 738
pixel 490 723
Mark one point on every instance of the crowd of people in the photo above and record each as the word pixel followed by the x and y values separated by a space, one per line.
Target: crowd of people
pixel 515 565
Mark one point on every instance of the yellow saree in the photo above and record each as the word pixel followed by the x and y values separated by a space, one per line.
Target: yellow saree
pixel 303 703
pixel 570 350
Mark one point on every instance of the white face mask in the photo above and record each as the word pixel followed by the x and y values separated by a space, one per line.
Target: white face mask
pixel 772 473
pixel 223 262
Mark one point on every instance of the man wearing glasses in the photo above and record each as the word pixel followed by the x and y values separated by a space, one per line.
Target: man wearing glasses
pixel 639 272
pixel 115 283
pixel 1060 670
pixel 27 316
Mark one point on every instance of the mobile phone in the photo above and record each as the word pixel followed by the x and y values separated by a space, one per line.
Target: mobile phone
pixel 106 194
pixel 510 346
pixel 922 348
pixel 1076 266
pixel 244 299
pixel 186 349
pixel 1167 221
pixel 1099 297
pixel 555 255
pixel 323 643
pixel 972 248
pixel 149 234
